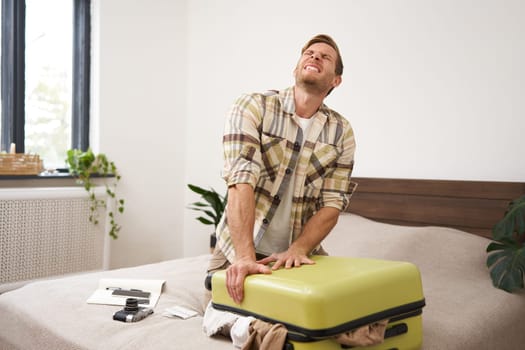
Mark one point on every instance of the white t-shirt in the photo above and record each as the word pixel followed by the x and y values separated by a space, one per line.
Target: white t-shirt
pixel 278 235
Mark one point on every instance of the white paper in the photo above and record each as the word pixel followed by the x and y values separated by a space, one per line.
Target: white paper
pixel 103 295
pixel 180 312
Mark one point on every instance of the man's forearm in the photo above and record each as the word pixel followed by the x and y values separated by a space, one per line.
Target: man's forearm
pixel 241 219
pixel 315 230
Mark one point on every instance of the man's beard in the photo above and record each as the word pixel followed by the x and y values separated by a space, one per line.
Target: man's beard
pixel 312 85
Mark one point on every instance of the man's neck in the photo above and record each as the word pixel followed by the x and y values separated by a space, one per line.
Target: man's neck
pixel 306 103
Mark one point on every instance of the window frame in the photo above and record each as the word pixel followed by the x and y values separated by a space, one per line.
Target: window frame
pixel 13 74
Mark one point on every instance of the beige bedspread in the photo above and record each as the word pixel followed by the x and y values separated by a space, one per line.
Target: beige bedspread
pixel 463 310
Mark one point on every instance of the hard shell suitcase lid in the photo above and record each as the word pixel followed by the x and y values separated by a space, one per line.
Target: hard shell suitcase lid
pixel 334 295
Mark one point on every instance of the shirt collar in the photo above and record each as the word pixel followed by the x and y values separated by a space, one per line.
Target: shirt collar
pixel 286 97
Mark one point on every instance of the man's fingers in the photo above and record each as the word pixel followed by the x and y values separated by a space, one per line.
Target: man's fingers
pixel 234 287
pixel 236 275
pixel 265 261
pixel 238 288
pixel 277 264
pixel 307 261
pixel 264 269
pixel 292 261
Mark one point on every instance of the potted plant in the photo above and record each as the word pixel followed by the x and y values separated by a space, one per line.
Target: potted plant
pixel 212 205
pixel 82 166
pixel 506 259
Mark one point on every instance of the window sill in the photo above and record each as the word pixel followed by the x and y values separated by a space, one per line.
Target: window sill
pixel 60 174
pixel 35 177
pixel 56 179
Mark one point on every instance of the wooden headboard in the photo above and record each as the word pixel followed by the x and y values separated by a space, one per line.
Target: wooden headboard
pixel 472 206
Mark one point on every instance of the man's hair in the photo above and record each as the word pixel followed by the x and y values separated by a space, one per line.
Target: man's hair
pixel 323 38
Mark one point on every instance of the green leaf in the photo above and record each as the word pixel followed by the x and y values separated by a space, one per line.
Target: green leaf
pixel 197 189
pixel 211 215
pixel 512 222
pixel 214 200
pixel 493 258
pixel 200 204
pixel 506 262
pixel 503 244
pixel 207 212
pixel 205 221
pixel 81 166
pixel 210 199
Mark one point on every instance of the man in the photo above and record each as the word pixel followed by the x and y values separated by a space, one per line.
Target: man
pixel 288 159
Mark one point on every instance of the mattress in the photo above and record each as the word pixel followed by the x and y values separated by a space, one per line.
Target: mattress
pixel 463 310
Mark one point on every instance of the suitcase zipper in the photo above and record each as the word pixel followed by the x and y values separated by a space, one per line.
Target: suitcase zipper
pixel 300 334
pixel 392 331
pixel 397 313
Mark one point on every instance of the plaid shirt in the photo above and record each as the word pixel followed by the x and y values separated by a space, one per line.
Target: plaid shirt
pixel 262 147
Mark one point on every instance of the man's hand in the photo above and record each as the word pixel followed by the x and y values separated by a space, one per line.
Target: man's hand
pixel 237 272
pixel 288 259
pixel 315 230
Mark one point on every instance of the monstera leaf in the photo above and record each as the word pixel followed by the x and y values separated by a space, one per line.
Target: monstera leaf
pixel 506 262
pixel 513 222
pixel 506 259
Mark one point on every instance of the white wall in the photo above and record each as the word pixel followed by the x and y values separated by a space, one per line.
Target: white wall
pixel 434 89
pixel 140 107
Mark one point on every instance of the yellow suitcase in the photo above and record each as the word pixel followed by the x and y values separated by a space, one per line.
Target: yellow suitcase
pixel 333 296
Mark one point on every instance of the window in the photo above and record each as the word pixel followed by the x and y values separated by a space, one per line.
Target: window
pixel 45 77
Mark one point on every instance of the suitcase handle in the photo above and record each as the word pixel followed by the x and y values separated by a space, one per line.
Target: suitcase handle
pixel 396 330
pixel 207 281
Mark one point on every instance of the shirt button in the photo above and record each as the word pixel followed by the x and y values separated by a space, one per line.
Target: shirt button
pixel 276 197
pixel 296 146
pixel 288 171
pixel 265 221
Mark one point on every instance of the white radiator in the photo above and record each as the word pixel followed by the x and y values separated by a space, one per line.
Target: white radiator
pixel 46 232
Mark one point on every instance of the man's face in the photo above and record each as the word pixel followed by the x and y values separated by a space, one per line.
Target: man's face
pixel 316 68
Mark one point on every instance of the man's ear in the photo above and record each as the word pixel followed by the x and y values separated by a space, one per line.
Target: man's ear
pixel 337 81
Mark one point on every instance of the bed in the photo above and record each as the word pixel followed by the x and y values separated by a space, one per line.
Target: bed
pixel 434 224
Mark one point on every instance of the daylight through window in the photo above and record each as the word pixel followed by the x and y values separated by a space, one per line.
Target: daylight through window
pixel 48 87
pixel 45 77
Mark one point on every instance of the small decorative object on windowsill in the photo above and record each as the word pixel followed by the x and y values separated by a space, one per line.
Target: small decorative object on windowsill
pixel 13 163
pixel 213 206
pixel 506 259
pixel 82 165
